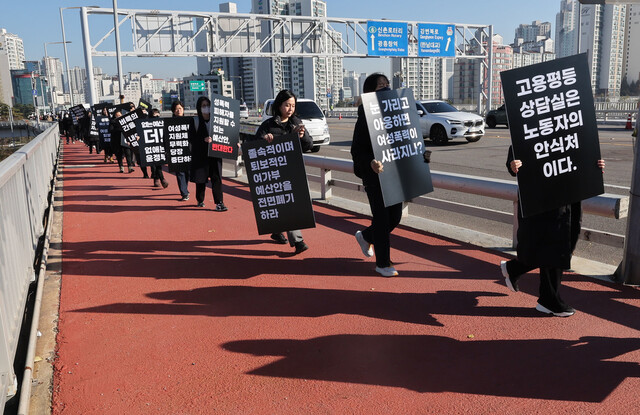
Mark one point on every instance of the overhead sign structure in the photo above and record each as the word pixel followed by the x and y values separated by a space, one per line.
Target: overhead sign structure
pixel 396 138
pixel 436 40
pixel 387 38
pixel 197 86
pixel 553 128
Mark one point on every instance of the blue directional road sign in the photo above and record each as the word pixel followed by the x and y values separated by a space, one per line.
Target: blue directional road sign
pixel 436 40
pixel 387 39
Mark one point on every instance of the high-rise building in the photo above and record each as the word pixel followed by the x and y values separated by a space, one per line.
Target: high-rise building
pixel 422 75
pixel 258 79
pixel 11 58
pixel 532 32
pixel 601 35
pixel 631 61
pixel 14 48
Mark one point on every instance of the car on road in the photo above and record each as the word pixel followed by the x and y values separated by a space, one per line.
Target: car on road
pixel 442 122
pixel 244 111
pixel 312 117
pixel 497 116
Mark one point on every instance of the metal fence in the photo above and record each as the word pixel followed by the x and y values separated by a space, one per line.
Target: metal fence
pixel 25 182
pixel 606 205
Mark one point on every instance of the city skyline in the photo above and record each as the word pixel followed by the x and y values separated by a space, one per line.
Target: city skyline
pixel 504 15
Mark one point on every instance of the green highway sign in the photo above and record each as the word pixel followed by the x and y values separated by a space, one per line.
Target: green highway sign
pixel 197 86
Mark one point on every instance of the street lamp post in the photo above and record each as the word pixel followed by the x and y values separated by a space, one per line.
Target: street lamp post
pixel 46 69
pixel 66 57
pixel 241 88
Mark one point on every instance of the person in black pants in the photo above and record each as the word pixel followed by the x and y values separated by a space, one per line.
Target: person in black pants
pixel 546 241
pixel 182 177
pixel 156 170
pixel 204 167
pixel 118 149
pixel 384 220
pixel 284 121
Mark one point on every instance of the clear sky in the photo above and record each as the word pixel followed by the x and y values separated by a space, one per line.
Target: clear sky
pixel 38 21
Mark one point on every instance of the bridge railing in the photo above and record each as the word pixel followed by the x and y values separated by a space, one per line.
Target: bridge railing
pixel 25 183
pixel 606 205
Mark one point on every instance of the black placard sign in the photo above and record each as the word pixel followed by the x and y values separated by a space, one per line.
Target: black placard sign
pixel 78 112
pixel 150 131
pixel 394 127
pixel 97 108
pixel 225 127
pixel 103 129
pixel 122 107
pixel 278 184
pixel 176 141
pixel 554 133
pixel 128 124
pixel 144 105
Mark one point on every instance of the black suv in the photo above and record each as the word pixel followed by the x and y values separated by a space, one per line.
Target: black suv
pixel 497 116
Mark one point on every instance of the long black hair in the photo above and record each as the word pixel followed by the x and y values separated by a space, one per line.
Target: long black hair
pixel 371 83
pixel 199 106
pixel 282 96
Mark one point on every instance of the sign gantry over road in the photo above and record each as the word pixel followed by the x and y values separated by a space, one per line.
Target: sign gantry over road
pixel 162 33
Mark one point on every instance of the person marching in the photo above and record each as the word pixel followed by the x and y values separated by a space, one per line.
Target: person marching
pixel 182 177
pixel 116 147
pixel 374 238
pixel 545 241
pixel 204 167
pixel 284 121
pixel 92 137
pixel 156 170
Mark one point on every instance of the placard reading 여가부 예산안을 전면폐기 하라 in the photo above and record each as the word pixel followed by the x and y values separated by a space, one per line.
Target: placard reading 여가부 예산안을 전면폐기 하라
pixel 278 184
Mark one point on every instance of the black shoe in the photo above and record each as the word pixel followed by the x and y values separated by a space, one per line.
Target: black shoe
pixel 185 197
pixel 201 204
pixel 220 207
pixel 301 247
pixel 511 284
pixel 279 238
pixel 561 310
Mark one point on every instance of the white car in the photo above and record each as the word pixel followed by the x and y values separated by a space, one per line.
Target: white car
pixel 312 117
pixel 442 122
pixel 244 111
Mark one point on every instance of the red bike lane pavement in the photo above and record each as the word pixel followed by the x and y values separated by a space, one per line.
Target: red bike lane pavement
pixel 167 308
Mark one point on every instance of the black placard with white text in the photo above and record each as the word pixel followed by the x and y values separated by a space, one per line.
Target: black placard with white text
pixel 554 133
pixel 128 124
pixel 396 137
pixel 225 127
pixel 103 130
pixel 278 184
pixel 78 112
pixel 151 131
pixel 176 141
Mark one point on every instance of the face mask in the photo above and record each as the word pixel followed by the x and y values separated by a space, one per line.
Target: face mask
pixel 205 110
pixel 386 88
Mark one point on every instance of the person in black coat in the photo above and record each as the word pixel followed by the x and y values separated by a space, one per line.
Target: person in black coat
pixel 182 177
pixel 204 167
pixel 118 149
pixel 384 220
pixel 284 121
pixel 92 137
pixel 545 241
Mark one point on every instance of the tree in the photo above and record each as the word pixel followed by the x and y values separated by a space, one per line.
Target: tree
pixel 4 110
pixel 625 89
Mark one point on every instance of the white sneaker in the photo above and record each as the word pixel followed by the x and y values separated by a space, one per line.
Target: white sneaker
pixel 366 247
pixel 387 271
pixel 507 278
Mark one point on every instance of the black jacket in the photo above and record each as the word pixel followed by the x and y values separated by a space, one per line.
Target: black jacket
pixel 362 151
pixel 275 126
pixel 201 163
pixel 548 239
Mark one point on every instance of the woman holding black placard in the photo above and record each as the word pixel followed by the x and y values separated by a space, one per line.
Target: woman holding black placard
pixel 182 177
pixel 546 241
pixel 384 220
pixel 118 149
pixel 284 121
pixel 204 167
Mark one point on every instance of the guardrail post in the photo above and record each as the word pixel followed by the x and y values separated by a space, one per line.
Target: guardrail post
pixel 405 209
pixel 514 236
pixel 325 183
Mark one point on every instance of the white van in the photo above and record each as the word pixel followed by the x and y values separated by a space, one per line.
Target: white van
pixel 312 117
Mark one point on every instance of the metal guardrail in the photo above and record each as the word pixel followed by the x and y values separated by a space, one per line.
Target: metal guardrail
pixel 25 182
pixel 607 205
